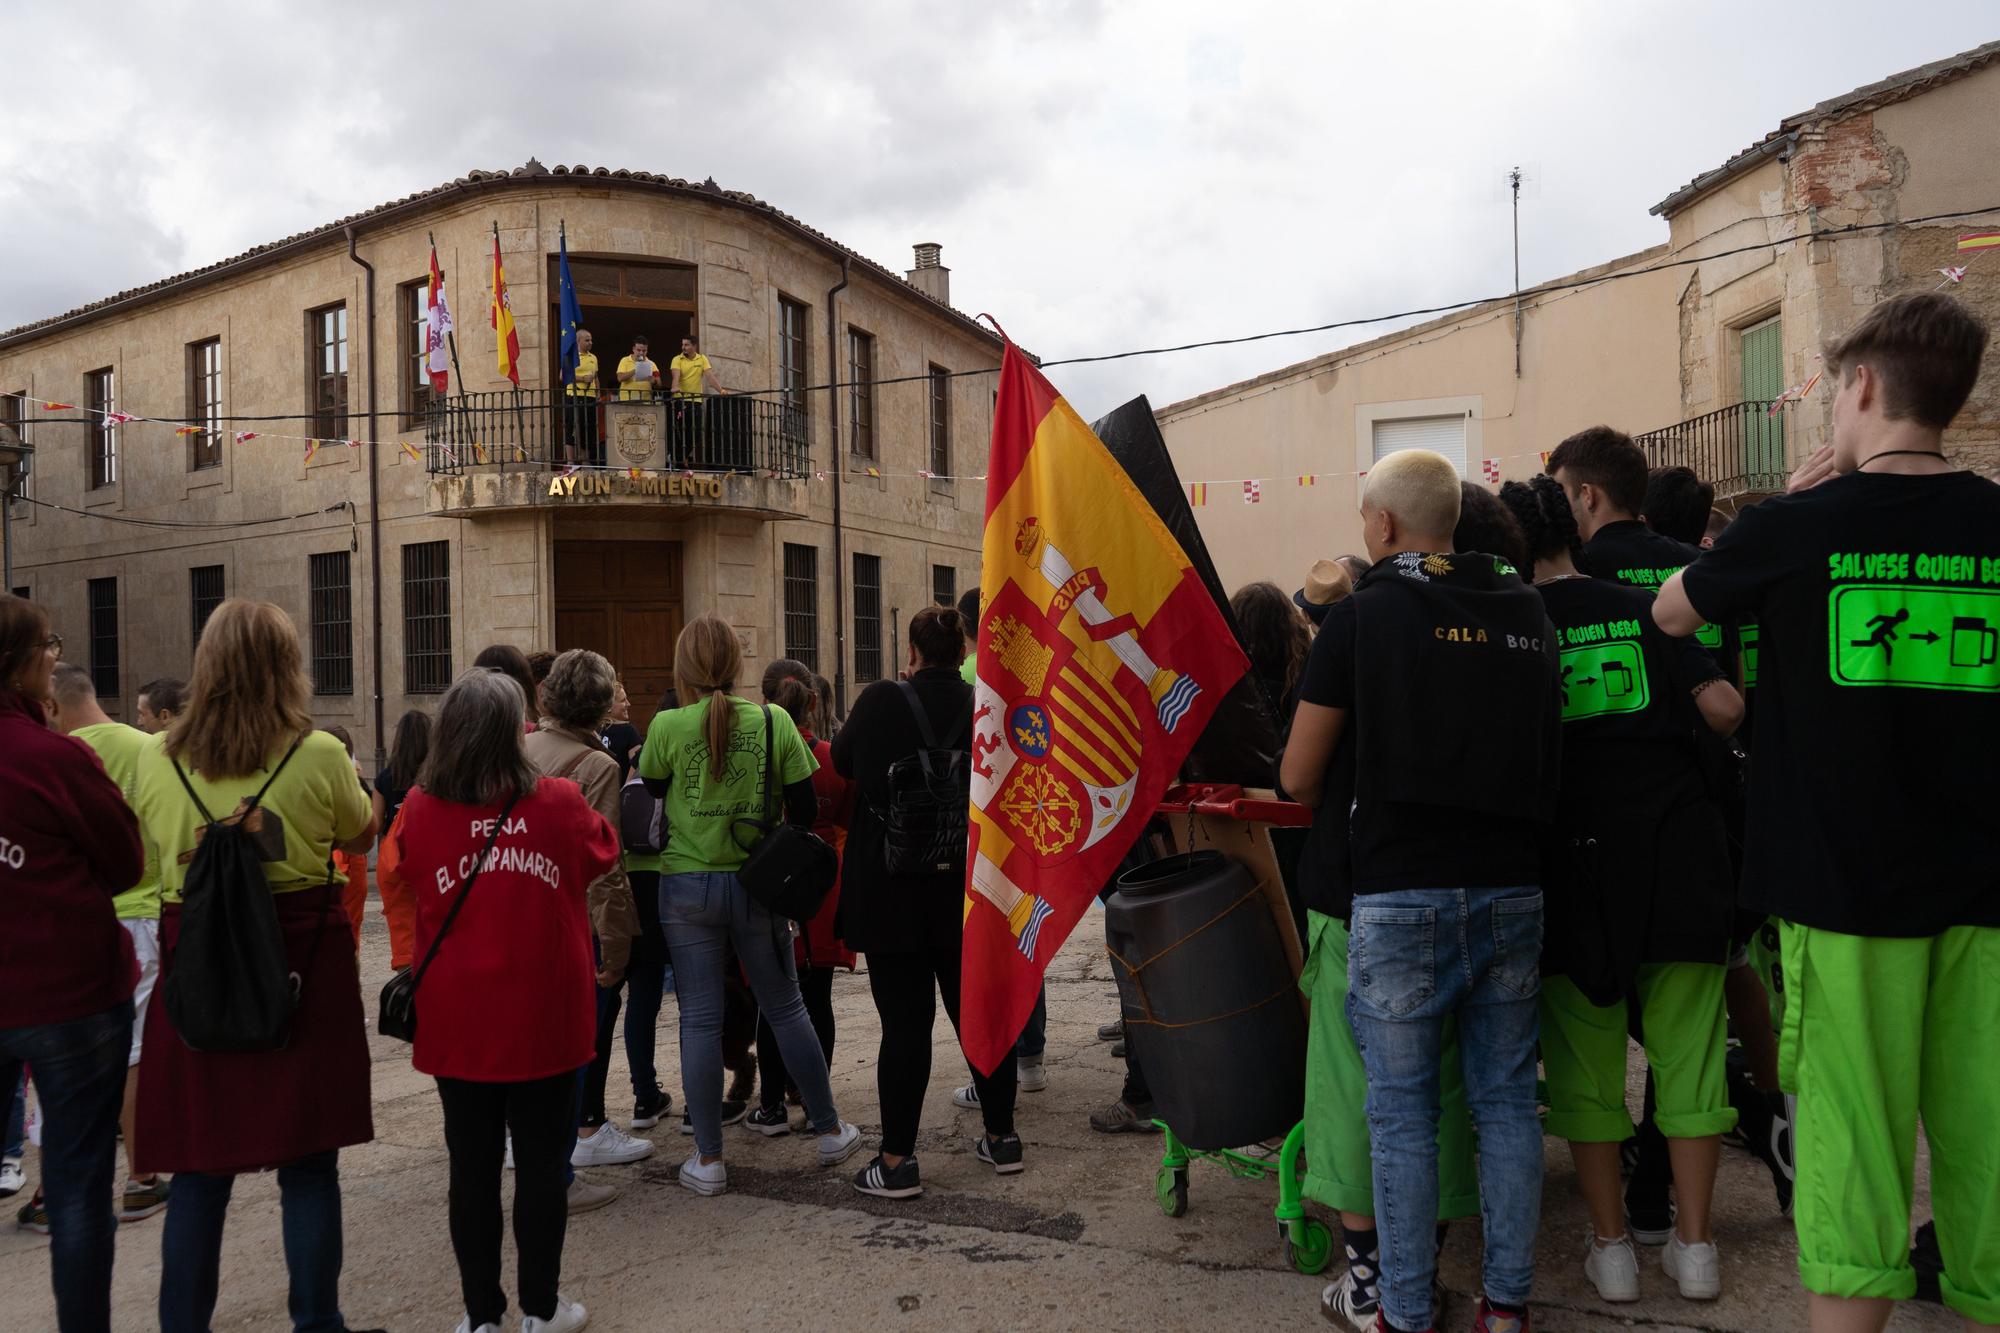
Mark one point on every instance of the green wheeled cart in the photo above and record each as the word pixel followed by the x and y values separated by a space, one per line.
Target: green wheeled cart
pixel 1308 1241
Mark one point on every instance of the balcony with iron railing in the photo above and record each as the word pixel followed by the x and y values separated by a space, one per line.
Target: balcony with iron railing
pixel 1741 450
pixel 512 450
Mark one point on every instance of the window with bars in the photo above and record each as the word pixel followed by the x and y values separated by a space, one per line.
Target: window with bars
pixel 416 350
pixel 867 617
pixel 326 380
pixel 102 395
pixel 14 416
pixel 792 353
pixel 426 617
pixel 204 595
pixel 861 393
pixel 940 421
pixel 330 598
pixel 204 403
pixel 802 604
pixel 104 637
pixel 944 585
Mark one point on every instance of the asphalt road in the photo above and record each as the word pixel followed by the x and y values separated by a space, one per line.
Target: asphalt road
pixel 1075 1242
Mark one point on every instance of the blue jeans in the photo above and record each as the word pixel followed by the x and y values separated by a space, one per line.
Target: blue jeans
pixel 1034 1037
pixel 191 1245
pixel 1417 957
pixel 80 1082
pixel 702 913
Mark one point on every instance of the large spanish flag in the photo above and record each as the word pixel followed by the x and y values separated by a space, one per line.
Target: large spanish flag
pixel 1101 658
pixel 505 341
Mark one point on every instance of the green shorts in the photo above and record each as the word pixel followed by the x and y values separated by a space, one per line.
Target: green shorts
pixel 1339 1172
pixel 1877 1033
pixel 1583 1052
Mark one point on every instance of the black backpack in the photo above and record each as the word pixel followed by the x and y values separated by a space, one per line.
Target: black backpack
pixel 230 987
pixel 642 818
pixel 925 829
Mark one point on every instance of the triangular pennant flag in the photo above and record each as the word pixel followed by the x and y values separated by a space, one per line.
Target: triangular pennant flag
pixel 244 436
pixel 59 407
pixel 411 450
pixel 312 447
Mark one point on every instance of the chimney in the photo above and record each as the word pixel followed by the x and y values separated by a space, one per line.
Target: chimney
pixel 929 276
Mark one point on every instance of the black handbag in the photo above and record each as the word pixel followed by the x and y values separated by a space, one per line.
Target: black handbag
pixel 790 870
pixel 396 1015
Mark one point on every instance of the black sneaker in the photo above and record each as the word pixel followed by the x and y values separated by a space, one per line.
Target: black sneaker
pixel 899 1182
pixel 1926 1258
pixel 1003 1155
pixel 770 1121
pixel 651 1107
pixel 731 1113
pixel 1651 1221
pixel 1111 1031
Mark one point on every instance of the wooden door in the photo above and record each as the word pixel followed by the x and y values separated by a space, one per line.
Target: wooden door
pixel 623 599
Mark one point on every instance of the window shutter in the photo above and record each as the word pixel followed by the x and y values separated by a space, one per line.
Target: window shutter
pixel 1445 435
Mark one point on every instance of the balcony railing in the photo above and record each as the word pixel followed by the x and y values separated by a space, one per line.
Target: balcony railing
pixel 1739 449
pixel 539 428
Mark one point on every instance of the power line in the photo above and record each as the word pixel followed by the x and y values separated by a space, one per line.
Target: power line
pixel 187 524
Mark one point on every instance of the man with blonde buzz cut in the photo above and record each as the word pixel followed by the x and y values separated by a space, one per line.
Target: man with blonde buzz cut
pixel 1426 841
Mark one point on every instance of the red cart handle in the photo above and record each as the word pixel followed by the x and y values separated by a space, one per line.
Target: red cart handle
pixel 1225 800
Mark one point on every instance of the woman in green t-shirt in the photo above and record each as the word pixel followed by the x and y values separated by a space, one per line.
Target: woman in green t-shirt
pixel 708 761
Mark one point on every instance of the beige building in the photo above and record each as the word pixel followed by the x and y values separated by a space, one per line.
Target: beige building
pixel 815 520
pixel 1687 344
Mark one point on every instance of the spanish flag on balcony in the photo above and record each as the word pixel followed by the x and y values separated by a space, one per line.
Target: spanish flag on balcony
pixel 505 340
pixel 1101 657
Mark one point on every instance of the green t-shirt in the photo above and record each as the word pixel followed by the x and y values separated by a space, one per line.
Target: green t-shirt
pixel 969 670
pixel 647 863
pixel 317 802
pixel 118 747
pixel 700 806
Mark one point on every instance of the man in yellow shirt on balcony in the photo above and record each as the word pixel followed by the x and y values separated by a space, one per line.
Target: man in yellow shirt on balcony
pixel 692 372
pixel 635 385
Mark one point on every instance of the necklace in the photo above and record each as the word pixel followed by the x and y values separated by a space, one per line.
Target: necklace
pixel 1558 578
pixel 1901 453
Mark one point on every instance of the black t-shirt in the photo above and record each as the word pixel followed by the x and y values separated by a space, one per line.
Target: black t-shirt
pixel 620 739
pixel 1624 682
pixel 1631 553
pixel 1877 601
pixel 1395 844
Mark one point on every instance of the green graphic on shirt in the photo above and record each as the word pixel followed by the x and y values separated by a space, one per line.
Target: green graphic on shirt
pixel 1746 636
pixel 1709 636
pixel 1915 637
pixel 1603 678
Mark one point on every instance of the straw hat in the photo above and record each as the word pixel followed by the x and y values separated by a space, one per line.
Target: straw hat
pixel 1327 582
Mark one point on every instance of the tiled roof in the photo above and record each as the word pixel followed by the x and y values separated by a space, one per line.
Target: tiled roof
pixel 1895 88
pixel 532 172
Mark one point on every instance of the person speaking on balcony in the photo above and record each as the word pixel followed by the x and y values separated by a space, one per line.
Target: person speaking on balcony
pixel 638 375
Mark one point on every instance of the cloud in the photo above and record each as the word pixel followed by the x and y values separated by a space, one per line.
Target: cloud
pixel 1101 175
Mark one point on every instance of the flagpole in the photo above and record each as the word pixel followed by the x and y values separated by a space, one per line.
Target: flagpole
pixel 450 338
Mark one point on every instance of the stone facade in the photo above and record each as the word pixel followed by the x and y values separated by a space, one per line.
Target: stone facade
pixel 499 526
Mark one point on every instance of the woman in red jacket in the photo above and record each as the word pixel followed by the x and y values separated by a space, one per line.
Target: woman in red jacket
pixel 788 683
pixel 507 991
pixel 68 845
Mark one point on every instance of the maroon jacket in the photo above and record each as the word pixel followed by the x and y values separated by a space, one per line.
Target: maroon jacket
pixel 68 845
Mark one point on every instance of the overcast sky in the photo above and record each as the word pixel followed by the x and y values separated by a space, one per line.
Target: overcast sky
pixel 1101 175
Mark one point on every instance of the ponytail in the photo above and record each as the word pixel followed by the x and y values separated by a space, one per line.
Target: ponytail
pixel 706 659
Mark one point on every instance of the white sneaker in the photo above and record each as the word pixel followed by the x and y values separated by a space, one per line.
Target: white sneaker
pixel 569 1317
pixel 586 1195
pixel 609 1146
pixel 707 1181
pixel 968 1096
pixel 12 1178
pixel 1696 1268
pixel 840 1145
pixel 1033 1076
pixel 1613 1267
pixel 465 1326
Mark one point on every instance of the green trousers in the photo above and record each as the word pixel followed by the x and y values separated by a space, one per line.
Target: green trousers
pixel 1878 1033
pixel 1583 1054
pixel 1339 1171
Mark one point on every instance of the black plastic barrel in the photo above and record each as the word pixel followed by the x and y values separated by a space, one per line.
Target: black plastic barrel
pixel 1211 1008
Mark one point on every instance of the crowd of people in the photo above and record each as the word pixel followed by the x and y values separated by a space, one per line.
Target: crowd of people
pixel 1523 723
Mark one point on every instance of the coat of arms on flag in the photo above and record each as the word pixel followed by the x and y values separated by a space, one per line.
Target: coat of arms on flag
pixel 1253 492
pixel 1101 658
pixel 1490 469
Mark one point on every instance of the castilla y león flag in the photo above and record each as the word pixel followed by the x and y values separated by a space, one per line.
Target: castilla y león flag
pixel 1101 658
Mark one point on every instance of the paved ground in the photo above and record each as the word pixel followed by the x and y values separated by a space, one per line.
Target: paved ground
pixel 1075 1242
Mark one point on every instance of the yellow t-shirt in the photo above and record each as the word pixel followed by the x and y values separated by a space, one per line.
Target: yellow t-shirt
pixel 635 388
pixel 688 371
pixel 118 747
pixel 317 802
pixel 586 374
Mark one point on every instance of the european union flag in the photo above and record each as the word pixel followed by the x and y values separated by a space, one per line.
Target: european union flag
pixel 572 313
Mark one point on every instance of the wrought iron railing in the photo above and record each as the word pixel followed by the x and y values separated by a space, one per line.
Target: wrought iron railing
pixel 1739 449
pixel 537 428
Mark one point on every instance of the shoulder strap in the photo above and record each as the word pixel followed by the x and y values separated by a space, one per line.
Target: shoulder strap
pixel 770 780
pixel 478 865
pixel 925 732
pixel 253 801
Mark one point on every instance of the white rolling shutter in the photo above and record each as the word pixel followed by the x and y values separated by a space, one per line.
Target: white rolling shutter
pixel 1445 435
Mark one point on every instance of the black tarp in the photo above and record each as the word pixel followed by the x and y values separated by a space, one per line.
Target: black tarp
pixel 1240 743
